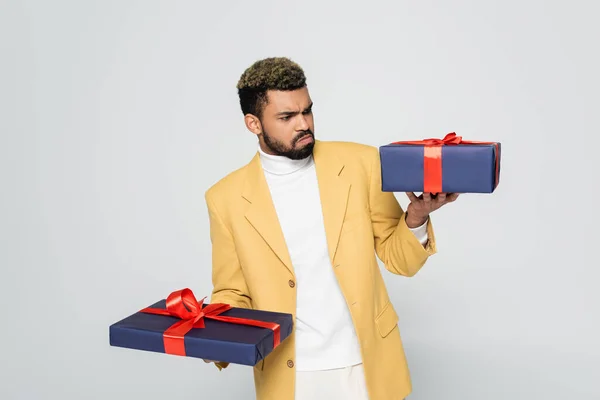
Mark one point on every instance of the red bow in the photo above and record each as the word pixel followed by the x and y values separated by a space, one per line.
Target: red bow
pixel 432 162
pixel 183 305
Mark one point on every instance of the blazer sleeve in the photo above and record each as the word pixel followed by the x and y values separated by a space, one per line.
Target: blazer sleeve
pixel 229 284
pixel 395 244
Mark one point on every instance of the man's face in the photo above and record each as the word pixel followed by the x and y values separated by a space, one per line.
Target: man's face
pixel 287 124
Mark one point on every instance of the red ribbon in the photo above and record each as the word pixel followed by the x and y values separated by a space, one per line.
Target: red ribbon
pixel 432 163
pixel 183 305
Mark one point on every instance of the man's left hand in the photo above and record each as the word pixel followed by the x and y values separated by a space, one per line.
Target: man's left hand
pixel 420 207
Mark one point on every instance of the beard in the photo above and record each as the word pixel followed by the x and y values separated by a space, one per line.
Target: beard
pixel 291 152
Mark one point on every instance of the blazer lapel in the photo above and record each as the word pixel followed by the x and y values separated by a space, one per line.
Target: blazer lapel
pixel 334 191
pixel 261 213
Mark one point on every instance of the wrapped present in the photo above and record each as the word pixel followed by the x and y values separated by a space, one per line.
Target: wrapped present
pixel 181 325
pixel 448 165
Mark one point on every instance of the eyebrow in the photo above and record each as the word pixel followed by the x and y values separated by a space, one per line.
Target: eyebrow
pixel 290 113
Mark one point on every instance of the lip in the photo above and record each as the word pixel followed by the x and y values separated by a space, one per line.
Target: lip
pixel 305 139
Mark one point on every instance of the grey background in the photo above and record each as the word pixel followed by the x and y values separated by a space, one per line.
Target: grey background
pixel 113 118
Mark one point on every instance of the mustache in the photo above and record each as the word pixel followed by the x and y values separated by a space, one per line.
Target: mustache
pixel 303 134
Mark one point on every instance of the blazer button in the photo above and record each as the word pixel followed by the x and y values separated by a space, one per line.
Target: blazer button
pixel 290 364
pixel 291 283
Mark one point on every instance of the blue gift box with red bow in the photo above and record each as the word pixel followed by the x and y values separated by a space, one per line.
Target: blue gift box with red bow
pixel 448 165
pixel 181 325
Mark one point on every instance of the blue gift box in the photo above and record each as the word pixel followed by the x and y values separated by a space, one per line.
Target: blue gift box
pixel 464 167
pixel 218 340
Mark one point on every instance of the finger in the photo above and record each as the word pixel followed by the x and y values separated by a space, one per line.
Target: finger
pixel 441 198
pixel 451 197
pixel 412 197
pixel 427 197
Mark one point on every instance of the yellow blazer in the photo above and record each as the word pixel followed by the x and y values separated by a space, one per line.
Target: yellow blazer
pixel 251 266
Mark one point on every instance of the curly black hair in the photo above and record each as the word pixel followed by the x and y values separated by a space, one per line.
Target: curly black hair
pixel 274 73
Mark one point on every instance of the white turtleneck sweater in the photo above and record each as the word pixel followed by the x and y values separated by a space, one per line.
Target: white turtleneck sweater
pixel 325 336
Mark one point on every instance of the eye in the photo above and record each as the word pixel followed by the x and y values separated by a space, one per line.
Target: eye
pixel 285 118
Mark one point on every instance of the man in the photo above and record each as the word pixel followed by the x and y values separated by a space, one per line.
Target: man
pixel 297 230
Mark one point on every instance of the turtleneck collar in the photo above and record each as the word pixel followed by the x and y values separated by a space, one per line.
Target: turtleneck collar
pixel 281 165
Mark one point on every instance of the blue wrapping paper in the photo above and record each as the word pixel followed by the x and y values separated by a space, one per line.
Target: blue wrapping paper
pixel 465 168
pixel 218 340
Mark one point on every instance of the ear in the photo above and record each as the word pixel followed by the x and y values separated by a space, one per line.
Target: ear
pixel 253 124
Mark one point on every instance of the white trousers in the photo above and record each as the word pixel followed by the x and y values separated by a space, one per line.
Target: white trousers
pixel 332 384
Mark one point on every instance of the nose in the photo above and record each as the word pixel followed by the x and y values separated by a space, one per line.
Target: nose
pixel 302 123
